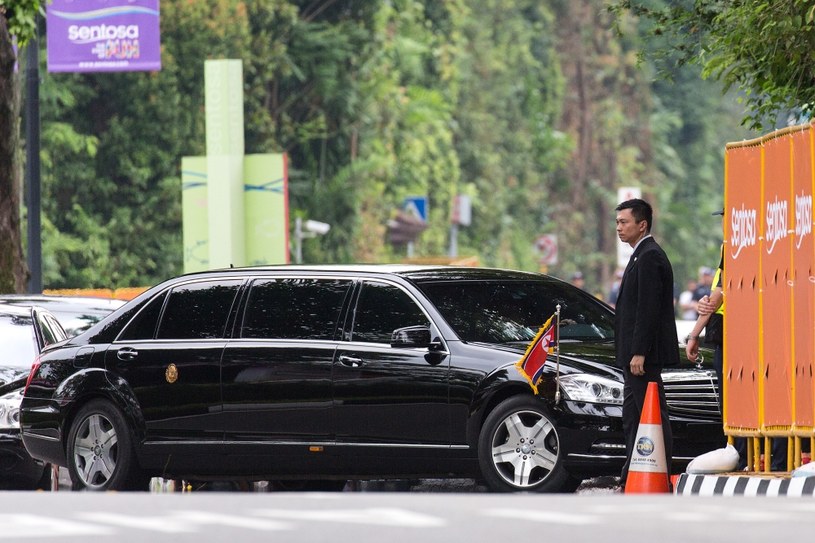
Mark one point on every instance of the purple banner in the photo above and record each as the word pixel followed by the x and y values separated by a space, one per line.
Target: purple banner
pixel 103 36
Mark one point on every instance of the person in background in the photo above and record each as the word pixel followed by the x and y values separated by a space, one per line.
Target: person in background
pixel 645 325
pixel 578 280
pixel 687 306
pixel 615 288
pixel 703 285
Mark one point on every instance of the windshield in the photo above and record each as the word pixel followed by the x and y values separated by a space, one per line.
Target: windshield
pixel 18 341
pixel 493 311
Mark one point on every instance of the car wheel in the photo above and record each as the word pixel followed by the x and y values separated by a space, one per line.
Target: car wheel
pixel 519 449
pixel 100 450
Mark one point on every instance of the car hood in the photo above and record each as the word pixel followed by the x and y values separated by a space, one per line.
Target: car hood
pixel 597 357
pixel 12 378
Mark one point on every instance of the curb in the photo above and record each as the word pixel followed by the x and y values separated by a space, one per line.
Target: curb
pixel 742 485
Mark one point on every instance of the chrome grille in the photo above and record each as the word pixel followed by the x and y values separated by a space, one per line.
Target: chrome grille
pixel 692 393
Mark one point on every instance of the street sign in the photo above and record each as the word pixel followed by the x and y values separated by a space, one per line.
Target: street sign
pixel 546 244
pixel 462 210
pixel 416 206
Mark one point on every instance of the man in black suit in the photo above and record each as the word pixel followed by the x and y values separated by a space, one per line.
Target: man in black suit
pixel 645 325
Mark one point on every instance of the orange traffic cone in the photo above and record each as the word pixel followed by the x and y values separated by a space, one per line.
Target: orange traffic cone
pixel 648 470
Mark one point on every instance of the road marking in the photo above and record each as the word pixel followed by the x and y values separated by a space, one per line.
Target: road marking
pixel 23 526
pixel 555 517
pixel 374 516
pixel 185 521
pixel 165 524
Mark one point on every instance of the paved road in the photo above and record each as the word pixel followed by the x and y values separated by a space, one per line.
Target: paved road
pixel 371 517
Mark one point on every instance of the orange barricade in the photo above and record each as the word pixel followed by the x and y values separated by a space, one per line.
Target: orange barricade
pixel 769 353
pixel 741 286
pixel 803 352
pixel 775 384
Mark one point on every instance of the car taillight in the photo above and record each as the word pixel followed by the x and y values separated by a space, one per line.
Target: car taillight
pixel 34 367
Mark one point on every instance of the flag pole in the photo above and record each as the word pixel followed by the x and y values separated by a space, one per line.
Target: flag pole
pixel 557 355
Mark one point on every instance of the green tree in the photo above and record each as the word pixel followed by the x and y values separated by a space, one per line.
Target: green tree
pixel 18 18
pixel 763 48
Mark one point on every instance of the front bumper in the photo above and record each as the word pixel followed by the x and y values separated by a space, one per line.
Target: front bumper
pixel 591 435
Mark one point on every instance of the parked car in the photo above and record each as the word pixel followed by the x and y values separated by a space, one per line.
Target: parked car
pixel 24 332
pixel 75 313
pixel 346 372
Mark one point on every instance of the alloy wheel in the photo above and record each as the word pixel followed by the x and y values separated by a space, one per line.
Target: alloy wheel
pixel 524 449
pixel 96 450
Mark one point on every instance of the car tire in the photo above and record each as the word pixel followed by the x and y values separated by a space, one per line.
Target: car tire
pixel 519 449
pixel 100 450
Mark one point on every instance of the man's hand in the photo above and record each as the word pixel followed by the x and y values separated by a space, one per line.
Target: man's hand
pixel 638 364
pixel 692 348
pixel 710 304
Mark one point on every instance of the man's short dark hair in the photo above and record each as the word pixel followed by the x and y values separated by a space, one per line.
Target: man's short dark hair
pixel 640 209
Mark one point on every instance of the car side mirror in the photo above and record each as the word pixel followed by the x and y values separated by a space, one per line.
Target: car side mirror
pixel 411 337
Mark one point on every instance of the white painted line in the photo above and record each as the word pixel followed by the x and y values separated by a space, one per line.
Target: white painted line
pixel 23 526
pixel 374 516
pixel 207 517
pixel 165 525
pixel 555 517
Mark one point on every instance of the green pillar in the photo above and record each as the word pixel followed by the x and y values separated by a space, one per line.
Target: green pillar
pixel 195 213
pixel 224 116
pixel 267 210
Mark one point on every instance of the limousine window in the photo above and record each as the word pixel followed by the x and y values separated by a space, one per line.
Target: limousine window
pixel 513 311
pixel 198 310
pixel 381 309
pixel 294 308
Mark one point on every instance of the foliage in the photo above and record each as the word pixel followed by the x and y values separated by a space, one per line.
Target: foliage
pixel 762 47
pixel 21 18
pixel 536 110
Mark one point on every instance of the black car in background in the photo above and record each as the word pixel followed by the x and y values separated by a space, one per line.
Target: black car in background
pixel 346 372
pixel 24 332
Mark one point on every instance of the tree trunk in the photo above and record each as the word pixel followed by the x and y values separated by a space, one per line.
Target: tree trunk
pixel 13 272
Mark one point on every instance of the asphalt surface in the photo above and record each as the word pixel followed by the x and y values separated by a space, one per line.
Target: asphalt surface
pixel 371 517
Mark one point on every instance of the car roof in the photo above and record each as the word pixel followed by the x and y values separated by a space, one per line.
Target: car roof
pixel 410 271
pixel 15 310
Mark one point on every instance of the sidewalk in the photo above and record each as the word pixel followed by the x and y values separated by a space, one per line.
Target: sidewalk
pixel 745 484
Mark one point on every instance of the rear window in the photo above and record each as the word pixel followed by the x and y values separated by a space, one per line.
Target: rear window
pixel 198 310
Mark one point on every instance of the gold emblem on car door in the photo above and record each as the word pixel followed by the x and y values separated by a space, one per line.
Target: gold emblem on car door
pixel 171 374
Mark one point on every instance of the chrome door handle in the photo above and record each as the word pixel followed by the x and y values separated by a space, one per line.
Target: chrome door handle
pixel 127 354
pixel 350 361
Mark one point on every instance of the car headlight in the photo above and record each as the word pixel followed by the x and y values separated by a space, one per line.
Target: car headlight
pixel 10 409
pixel 592 388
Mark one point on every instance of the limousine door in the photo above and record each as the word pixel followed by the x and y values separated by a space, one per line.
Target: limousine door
pixel 169 355
pixel 276 372
pixel 387 396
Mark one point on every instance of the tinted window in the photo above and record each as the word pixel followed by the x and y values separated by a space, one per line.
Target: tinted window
pixel 143 326
pixel 381 309
pixel 198 310
pixel 294 308
pixel 513 311
pixel 52 332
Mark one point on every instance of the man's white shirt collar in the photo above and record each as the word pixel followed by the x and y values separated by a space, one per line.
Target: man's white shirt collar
pixel 643 239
